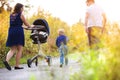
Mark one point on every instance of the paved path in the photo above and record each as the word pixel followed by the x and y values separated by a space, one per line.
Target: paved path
pixel 42 71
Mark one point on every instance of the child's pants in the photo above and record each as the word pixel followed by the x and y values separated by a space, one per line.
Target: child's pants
pixel 63 51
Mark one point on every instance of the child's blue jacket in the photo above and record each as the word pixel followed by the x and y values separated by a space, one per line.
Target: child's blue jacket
pixel 60 39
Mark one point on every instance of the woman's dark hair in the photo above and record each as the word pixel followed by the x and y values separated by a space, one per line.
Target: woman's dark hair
pixel 17 8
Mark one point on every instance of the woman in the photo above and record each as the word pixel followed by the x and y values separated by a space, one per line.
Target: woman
pixel 15 38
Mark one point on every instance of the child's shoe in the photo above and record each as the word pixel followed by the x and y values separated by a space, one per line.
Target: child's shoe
pixel 61 65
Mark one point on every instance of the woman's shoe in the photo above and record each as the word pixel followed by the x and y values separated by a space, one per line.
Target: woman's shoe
pixel 16 68
pixel 7 65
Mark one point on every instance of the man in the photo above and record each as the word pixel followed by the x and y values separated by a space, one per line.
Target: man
pixel 95 21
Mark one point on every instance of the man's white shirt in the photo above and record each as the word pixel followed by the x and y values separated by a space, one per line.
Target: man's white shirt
pixel 95 16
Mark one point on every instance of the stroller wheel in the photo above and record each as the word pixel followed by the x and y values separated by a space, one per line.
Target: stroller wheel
pixel 49 60
pixel 29 63
pixel 66 61
pixel 36 62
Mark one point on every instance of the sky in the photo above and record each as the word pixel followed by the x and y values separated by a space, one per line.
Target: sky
pixel 71 11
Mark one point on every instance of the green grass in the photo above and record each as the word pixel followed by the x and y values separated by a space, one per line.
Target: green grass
pixel 74 56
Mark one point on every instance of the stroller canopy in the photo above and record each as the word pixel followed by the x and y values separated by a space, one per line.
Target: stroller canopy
pixel 42 22
pixel 42 34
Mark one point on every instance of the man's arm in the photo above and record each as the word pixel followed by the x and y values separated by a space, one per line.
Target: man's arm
pixel 86 21
pixel 104 22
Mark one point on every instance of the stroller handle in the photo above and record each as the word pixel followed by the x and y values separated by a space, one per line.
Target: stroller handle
pixel 36 27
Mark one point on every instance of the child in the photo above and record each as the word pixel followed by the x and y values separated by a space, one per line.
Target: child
pixel 61 43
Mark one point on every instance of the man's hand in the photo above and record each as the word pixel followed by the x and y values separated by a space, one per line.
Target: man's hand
pixel 103 30
pixel 86 30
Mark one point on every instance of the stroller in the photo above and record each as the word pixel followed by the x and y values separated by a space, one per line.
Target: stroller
pixel 39 35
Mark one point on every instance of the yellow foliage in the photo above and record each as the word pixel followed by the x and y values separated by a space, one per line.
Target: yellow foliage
pixel 4 24
pixel 78 38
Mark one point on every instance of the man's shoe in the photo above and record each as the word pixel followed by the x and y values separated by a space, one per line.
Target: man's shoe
pixel 7 65
pixel 16 68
